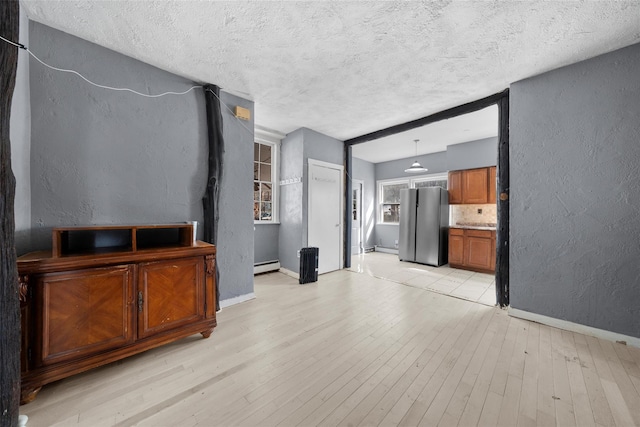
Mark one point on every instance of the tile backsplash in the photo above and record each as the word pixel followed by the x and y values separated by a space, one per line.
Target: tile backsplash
pixel 469 213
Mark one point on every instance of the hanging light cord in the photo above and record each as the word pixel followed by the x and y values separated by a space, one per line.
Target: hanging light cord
pixel 122 89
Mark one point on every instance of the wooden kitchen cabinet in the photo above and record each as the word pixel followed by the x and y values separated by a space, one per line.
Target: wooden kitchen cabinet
pixel 106 293
pixel 492 185
pixel 475 186
pixel 472 186
pixel 472 249
pixel 456 246
pixel 455 187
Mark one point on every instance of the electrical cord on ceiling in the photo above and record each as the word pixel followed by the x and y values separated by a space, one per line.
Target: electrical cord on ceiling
pixel 21 46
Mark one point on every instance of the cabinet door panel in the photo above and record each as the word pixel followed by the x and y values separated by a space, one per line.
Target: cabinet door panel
pixel 455 187
pixel 478 252
pixel 170 294
pixel 84 312
pixel 475 184
pixel 492 185
pixel 456 249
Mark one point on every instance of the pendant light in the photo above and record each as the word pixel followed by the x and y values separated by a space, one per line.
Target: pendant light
pixel 416 167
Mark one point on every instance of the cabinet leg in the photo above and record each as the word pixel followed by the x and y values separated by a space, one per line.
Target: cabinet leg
pixel 28 395
pixel 207 333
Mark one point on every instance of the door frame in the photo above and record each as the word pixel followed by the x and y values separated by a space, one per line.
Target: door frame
pixel 500 99
pixel 355 183
pixel 341 207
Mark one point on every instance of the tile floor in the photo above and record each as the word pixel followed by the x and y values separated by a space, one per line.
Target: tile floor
pixel 468 285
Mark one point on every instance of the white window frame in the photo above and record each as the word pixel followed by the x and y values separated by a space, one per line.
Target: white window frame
pixel 431 177
pixel 381 183
pixel 273 139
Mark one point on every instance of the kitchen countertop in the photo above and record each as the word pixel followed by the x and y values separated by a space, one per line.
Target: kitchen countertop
pixel 475 225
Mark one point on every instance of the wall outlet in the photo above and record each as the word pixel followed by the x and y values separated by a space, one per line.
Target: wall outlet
pixel 396 243
pixel 479 210
pixel 298 253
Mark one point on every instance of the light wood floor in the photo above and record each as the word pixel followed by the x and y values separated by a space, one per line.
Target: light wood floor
pixel 357 350
pixel 477 287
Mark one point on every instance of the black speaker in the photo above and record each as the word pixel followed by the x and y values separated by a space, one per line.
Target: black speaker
pixel 308 265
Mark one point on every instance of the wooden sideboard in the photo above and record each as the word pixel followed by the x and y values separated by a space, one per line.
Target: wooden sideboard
pixel 106 293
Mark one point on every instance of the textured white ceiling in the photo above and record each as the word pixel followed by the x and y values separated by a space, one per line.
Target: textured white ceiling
pixel 349 68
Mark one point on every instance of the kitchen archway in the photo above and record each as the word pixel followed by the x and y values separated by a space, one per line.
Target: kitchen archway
pixel 501 100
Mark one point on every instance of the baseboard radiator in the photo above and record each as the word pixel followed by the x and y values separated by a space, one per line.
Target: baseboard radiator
pixel 308 265
pixel 265 267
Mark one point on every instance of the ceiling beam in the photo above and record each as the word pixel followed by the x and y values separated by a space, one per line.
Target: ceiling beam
pixel 442 115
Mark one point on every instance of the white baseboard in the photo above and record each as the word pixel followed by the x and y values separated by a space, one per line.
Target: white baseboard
pixel 574 327
pixel 236 300
pixel 290 273
pixel 386 250
pixel 269 266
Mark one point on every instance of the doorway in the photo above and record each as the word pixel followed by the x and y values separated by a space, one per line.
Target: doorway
pixel 325 225
pixel 357 226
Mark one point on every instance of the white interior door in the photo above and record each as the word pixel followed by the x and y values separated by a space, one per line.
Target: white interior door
pixel 356 218
pixel 325 214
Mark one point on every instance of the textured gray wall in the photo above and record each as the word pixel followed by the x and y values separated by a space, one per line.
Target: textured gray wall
pixel 290 232
pixel 20 136
pixel 575 193
pixel 105 157
pixel 475 154
pixel 266 238
pixel 235 229
pixel 366 172
pixel 297 148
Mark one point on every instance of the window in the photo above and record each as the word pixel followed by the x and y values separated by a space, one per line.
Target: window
pixel 262 182
pixel 265 180
pixel 389 196
pixel 439 180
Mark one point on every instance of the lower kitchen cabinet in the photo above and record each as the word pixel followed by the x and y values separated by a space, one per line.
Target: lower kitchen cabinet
pixel 472 249
pixel 456 246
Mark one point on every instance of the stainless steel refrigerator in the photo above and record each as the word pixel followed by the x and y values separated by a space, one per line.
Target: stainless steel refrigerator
pixel 424 225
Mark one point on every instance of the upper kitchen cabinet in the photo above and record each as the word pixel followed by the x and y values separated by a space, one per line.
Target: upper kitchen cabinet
pixel 475 186
pixel 472 186
pixel 455 187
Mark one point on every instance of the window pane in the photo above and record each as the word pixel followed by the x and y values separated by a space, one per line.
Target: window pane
pixel 391 213
pixel 265 213
pixel 256 152
pixel 256 191
pixel 265 153
pixel 265 172
pixel 256 171
pixel 391 192
pixel 266 192
pixel 256 211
